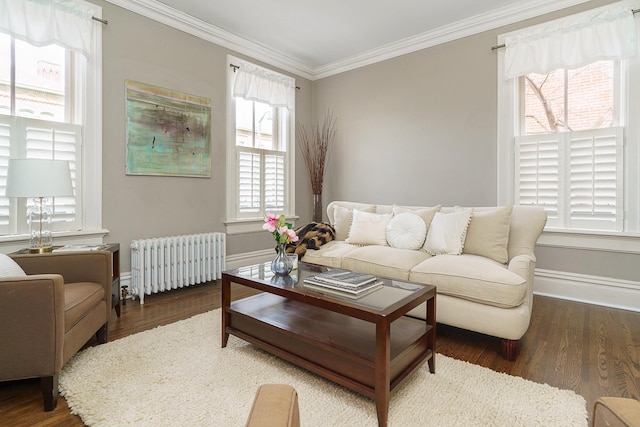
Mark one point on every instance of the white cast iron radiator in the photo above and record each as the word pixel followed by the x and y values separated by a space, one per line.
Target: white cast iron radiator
pixel 165 263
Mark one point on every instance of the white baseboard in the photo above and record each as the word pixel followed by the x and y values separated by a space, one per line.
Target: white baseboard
pixel 248 258
pixel 605 291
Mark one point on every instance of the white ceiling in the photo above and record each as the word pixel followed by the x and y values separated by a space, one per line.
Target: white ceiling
pixel 319 38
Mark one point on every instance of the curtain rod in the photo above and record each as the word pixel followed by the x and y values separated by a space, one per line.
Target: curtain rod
pixel 236 67
pixel 500 46
pixel 104 21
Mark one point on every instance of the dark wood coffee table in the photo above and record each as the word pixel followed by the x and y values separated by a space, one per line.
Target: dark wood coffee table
pixel 366 344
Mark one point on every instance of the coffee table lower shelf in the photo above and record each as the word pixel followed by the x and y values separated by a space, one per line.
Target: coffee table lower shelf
pixel 336 346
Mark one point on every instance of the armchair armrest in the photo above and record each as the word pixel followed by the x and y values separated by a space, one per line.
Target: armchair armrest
pixel 32 319
pixel 90 266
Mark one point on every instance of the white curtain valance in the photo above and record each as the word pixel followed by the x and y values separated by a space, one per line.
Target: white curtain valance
pixel 605 33
pixel 255 83
pixel 43 22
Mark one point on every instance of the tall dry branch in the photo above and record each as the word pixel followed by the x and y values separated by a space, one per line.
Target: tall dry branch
pixel 315 148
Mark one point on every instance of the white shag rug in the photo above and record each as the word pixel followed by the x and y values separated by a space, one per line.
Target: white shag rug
pixel 177 375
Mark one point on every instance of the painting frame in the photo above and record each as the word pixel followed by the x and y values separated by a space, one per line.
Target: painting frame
pixel 168 133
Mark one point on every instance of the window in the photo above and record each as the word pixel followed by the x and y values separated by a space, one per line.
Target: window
pixel 568 135
pixel 568 149
pixel 261 158
pixel 260 152
pixel 50 109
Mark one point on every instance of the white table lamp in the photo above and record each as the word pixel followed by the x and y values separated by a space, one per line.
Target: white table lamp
pixel 40 179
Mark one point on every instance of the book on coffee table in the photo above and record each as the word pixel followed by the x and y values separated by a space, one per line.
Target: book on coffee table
pixel 345 278
pixel 337 289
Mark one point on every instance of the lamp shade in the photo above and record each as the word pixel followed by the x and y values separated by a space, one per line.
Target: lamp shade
pixel 38 178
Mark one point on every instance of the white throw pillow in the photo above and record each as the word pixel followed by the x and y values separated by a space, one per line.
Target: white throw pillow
pixel 368 228
pixel 342 218
pixel 10 268
pixel 406 231
pixel 447 233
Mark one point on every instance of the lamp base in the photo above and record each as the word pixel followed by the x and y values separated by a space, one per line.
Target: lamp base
pixel 42 250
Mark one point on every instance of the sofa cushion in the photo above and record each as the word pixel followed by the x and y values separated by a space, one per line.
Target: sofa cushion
pixel 329 254
pixel 488 233
pixel 368 228
pixel 79 299
pixel 10 268
pixel 447 232
pixel 472 277
pixel 342 218
pixel 426 214
pixel 383 261
pixel 406 231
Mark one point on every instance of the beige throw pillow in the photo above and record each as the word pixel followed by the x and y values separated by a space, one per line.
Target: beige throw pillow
pixel 425 213
pixel 488 233
pixel 368 228
pixel 342 218
pixel 447 233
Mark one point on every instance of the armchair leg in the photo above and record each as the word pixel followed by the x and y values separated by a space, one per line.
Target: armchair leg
pixel 49 387
pixel 101 335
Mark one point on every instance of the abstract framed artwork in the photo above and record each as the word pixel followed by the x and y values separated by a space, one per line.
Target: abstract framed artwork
pixel 168 132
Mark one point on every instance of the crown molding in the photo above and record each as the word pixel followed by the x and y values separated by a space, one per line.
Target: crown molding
pixel 516 12
pixel 174 18
pixel 475 25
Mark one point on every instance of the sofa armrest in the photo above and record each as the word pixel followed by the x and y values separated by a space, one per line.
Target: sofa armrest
pixel 32 319
pixel 524 266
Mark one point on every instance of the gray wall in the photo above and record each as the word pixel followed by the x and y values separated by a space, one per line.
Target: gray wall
pixel 136 207
pixel 421 129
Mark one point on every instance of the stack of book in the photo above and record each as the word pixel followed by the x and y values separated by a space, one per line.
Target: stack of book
pixel 344 283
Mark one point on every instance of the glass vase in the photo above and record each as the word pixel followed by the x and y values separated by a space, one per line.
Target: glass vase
pixel 317 208
pixel 281 265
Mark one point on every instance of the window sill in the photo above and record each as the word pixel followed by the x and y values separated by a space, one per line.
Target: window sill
pixel 605 242
pixel 252 225
pixel 15 242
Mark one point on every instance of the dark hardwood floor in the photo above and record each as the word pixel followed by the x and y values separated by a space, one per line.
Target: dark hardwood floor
pixel 592 350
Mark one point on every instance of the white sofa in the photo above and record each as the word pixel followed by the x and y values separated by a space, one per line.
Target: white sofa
pixel 488 288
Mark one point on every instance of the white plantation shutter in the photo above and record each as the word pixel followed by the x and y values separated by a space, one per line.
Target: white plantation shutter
pixel 39 139
pixel 58 141
pixel 596 179
pixel 249 173
pixel 255 167
pixel 5 154
pixel 274 182
pixel 585 194
pixel 538 171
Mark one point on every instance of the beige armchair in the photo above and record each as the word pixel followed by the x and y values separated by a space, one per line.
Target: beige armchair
pixel 51 313
pixel 275 405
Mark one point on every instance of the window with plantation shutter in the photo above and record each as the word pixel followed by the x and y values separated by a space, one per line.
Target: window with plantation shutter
pixel 568 129
pixel 260 128
pixel 50 108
